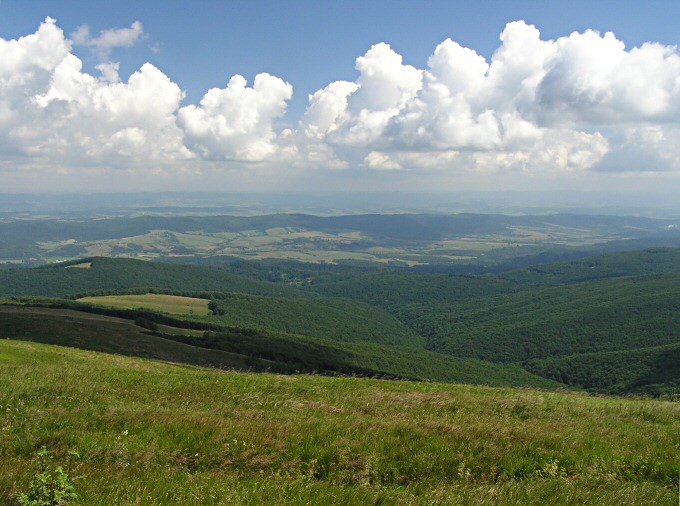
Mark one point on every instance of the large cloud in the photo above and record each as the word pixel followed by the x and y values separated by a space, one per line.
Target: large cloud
pixel 536 106
pixel 384 88
pixel 236 123
pixel 53 111
pixel 26 66
pixel 580 102
pixel 99 119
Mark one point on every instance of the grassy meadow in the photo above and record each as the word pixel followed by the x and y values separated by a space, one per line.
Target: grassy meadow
pixel 173 304
pixel 133 431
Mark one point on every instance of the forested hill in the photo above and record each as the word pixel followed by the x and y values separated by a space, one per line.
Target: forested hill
pixel 611 265
pixel 386 287
pixel 111 274
pixel 565 322
pixel 395 288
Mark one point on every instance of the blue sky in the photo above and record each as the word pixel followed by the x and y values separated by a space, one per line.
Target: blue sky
pixel 311 43
pixel 582 112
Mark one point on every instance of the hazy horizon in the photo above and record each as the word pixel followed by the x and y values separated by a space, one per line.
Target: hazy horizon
pixel 29 204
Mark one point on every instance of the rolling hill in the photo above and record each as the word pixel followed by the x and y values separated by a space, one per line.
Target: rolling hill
pixel 595 316
pixel 619 309
pixel 462 242
pixel 247 349
pixel 654 370
pixel 111 274
pixel 131 431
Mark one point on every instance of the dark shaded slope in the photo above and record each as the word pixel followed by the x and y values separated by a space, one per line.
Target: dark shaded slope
pixel 110 335
pixel 653 370
pixel 253 350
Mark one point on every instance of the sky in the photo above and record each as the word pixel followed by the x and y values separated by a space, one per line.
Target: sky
pixel 321 96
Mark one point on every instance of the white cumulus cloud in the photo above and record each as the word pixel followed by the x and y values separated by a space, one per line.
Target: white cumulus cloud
pixel 537 105
pixel 109 39
pixel 53 111
pixel 236 122
pixel 582 102
pixel 93 118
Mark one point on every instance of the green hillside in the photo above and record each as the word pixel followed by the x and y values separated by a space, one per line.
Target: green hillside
pixel 335 319
pixel 130 431
pixel 248 348
pixel 604 315
pixel 394 288
pixel 108 274
pixel 404 323
pixel 653 370
pixel 111 335
pixel 611 265
pixel 165 303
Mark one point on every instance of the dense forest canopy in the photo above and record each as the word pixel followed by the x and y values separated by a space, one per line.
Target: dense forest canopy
pixel 605 323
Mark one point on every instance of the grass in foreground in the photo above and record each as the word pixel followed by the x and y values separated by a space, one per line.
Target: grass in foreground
pixel 131 431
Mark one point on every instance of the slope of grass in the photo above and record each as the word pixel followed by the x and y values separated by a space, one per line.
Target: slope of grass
pixel 130 431
pixel 173 304
pixel 247 349
pixel 110 335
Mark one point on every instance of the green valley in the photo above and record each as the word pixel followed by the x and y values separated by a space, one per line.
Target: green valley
pixel 386 321
pixel 211 379
pixel 464 241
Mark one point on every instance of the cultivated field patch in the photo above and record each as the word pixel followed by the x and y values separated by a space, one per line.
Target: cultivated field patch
pixel 173 304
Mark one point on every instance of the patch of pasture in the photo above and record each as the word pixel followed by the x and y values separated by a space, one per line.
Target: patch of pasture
pixel 172 304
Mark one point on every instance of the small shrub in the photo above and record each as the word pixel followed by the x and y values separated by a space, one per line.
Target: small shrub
pixel 48 487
